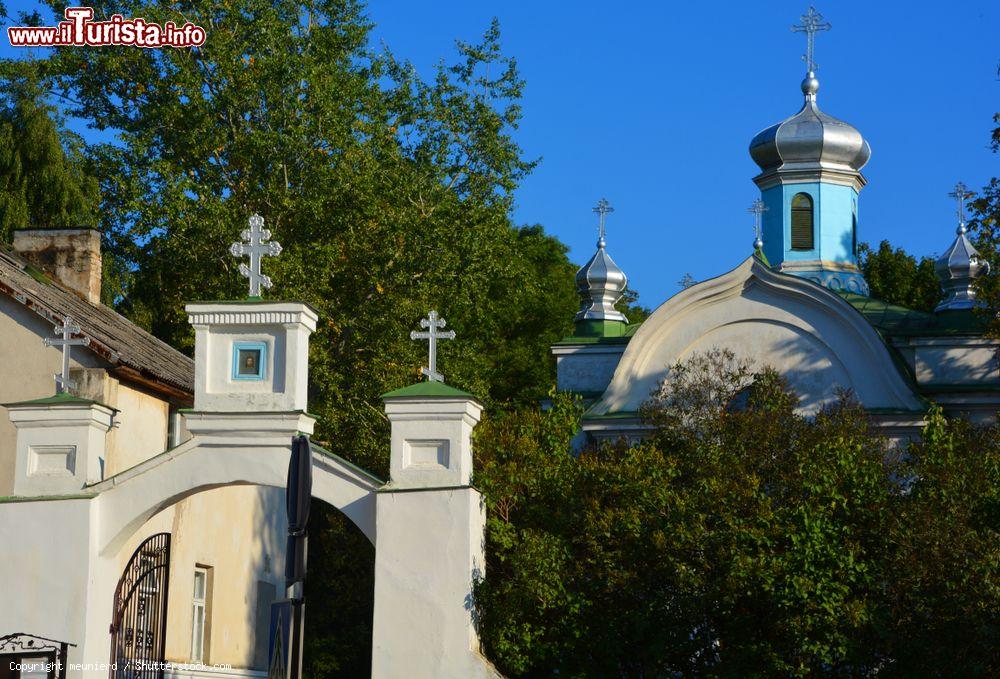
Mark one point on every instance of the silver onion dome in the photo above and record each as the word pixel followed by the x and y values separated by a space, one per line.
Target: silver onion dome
pixel 810 140
pixel 960 264
pixel 600 283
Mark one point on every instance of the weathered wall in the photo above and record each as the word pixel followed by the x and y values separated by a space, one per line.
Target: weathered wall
pixel 28 369
pixel 238 532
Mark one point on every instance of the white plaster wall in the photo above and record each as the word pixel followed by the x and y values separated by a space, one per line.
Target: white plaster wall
pixel 428 551
pixel 809 365
pixel 814 338
pixel 586 368
pixel 956 362
pixel 45 570
pixel 62 593
pixel 284 327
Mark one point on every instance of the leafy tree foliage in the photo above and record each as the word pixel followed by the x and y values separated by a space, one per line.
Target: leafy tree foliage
pixel 946 561
pixel 43 180
pixel 898 278
pixel 984 227
pixel 739 539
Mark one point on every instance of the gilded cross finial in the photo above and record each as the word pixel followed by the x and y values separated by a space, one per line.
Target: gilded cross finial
pixel 757 208
pixel 812 23
pixel 603 208
pixel 256 247
pixel 65 340
pixel 433 323
pixel 960 193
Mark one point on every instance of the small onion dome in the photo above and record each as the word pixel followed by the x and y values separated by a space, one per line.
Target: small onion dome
pixel 810 139
pixel 600 283
pixel 957 268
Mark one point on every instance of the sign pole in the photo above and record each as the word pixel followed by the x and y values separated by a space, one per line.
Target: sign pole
pixel 288 616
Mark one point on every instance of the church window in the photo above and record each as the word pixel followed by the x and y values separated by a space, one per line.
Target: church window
pixel 200 620
pixel 802 222
pixel 248 360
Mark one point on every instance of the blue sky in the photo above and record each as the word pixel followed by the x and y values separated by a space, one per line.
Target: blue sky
pixel 653 104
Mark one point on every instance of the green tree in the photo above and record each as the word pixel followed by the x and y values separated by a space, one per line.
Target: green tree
pixel 945 588
pixel 984 228
pixel 898 278
pixel 391 195
pixel 43 180
pixel 739 539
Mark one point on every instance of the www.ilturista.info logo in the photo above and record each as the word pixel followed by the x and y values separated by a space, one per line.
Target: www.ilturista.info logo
pixel 79 30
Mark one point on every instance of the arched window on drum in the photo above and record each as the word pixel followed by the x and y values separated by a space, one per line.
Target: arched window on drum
pixel 802 222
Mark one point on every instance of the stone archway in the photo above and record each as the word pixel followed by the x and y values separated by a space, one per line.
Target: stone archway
pixel 130 498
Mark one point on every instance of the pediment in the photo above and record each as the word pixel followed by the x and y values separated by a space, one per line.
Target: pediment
pixel 815 339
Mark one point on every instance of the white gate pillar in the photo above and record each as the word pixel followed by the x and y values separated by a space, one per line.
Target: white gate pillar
pixel 429 542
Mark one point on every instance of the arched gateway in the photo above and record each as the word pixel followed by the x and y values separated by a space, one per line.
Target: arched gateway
pixel 250 400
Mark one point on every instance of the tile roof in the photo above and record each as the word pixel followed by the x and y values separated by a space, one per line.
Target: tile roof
pixel 112 336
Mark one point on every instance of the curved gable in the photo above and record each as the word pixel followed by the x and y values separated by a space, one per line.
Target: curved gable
pixel 814 338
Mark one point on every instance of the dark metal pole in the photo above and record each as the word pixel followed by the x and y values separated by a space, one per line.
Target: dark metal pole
pixel 297 501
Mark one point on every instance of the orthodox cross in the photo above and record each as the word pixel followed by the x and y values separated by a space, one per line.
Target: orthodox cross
pixel 256 248
pixel 65 340
pixel 603 208
pixel 812 23
pixel 960 193
pixel 757 208
pixel 433 324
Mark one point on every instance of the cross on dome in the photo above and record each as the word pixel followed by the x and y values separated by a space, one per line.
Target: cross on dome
pixel 433 323
pixel 960 193
pixel 256 247
pixel 65 340
pixel 603 208
pixel 812 23
pixel 757 208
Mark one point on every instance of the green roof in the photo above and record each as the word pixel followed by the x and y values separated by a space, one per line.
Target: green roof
pixel 62 398
pixel 893 320
pixel 759 254
pixel 424 389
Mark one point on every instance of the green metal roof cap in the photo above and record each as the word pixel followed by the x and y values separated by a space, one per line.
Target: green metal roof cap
pixel 425 389
pixel 898 321
pixel 62 398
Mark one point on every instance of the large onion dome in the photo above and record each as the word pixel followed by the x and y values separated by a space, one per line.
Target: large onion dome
pixel 810 140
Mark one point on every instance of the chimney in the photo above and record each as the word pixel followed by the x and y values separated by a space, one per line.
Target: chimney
pixel 71 256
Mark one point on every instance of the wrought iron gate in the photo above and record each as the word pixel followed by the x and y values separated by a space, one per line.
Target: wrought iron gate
pixel 139 624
